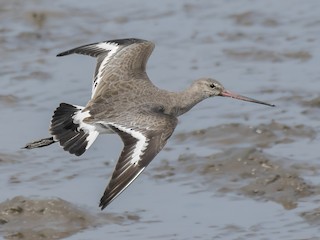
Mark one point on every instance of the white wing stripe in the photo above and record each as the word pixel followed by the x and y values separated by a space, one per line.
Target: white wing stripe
pixel 112 48
pixel 140 146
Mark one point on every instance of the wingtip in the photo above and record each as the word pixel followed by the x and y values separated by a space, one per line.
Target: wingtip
pixel 104 202
pixel 65 53
pixel 102 206
pixel 62 54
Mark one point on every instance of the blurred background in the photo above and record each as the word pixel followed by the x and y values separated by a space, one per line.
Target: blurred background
pixel 232 170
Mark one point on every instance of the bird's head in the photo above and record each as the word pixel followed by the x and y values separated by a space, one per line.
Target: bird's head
pixel 210 87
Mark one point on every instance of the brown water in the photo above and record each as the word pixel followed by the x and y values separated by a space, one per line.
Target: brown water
pixel 232 170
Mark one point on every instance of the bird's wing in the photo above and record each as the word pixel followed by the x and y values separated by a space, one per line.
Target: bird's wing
pixel 111 60
pixel 140 147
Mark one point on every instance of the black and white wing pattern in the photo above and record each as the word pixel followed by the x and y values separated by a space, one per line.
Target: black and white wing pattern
pixel 105 52
pixel 140 147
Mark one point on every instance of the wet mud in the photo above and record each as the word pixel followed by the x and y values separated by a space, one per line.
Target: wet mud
pixel 249 171
pixel 262 135
pixel 263 163
pixel 312 217
pixel 31 218
pixel 266 55
pixel 252 173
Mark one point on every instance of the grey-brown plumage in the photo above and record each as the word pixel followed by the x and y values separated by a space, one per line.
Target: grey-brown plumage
pixel 124 101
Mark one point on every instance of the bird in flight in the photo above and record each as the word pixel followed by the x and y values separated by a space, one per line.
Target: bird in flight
pixel 124 101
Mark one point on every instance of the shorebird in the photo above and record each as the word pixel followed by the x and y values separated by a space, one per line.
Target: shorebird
pixel 124 101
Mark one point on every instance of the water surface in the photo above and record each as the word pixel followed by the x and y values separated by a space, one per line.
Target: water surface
pixel 232 170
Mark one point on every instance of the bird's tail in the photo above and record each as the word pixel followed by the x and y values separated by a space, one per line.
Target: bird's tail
pixel 68 127
pixel 70 130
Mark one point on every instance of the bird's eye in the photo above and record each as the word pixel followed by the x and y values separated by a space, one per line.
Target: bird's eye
pixel 212 85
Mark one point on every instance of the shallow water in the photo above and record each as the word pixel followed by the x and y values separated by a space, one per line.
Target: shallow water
pixel 232 170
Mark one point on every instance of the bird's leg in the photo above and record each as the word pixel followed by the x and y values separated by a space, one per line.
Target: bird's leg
pixel 40 143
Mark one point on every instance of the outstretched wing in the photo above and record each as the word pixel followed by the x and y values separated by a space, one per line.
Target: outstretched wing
pixel 136 53
pixel 140 147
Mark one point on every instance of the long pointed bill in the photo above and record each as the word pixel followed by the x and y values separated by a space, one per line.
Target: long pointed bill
pixel 226 93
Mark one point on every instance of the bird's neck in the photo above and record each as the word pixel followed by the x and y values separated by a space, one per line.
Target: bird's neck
pixel 185 100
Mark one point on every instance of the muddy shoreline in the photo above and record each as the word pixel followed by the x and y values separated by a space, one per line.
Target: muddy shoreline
pixel 230 171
